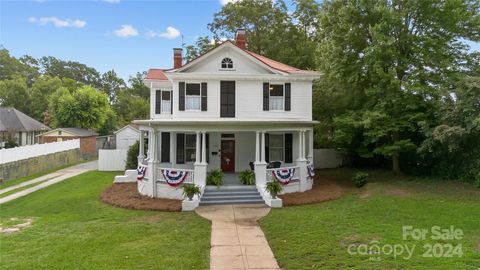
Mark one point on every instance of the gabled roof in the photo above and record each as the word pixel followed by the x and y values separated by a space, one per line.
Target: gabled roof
pixel 80 132
pixel 159 74
pixel 14 120
pixel 132 126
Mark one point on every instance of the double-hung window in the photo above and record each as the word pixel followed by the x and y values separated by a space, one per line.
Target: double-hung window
pixel 190 147
pixel 166 102
pixel 192 97
pixel 276 96
pixel 276 147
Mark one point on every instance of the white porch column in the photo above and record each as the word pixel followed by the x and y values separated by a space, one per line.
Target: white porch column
pixel 152 164
pixel 260 165
pixel 257 147
pixel 141 154
pixel 197 149
pixel 204 148
pixel 310 146
pixel 302 163
pixel 262 148
pixel 200 166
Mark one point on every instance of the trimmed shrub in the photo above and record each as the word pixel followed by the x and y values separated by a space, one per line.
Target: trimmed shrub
pixel 360 179
pixel 132 156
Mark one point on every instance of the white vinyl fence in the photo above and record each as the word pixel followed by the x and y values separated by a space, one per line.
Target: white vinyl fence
pixel 327 158
pixel 112 159
pixel 35 150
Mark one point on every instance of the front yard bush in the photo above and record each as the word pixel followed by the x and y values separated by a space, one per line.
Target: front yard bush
pixel 247 177
pixel 360 179
pixel 132 156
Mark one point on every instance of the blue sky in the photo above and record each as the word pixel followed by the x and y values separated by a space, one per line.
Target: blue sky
pixel 127 36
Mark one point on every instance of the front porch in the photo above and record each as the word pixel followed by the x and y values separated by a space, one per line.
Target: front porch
pixel 192 151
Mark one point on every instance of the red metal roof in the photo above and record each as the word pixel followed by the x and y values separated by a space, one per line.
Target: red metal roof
pixel 156 74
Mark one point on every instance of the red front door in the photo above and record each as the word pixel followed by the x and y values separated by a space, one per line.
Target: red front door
pixel 228 155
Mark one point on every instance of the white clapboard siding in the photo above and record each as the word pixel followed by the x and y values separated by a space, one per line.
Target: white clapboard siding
pixel 35 150
pixel 112 159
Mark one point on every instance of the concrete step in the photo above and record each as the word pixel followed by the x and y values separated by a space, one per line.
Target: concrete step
pixel 222 193
pixel 219 202
pixel 239 187
pixel 222 198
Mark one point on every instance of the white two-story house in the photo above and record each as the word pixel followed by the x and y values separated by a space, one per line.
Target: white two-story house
pixel 229 109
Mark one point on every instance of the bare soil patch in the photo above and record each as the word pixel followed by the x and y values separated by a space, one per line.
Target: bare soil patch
pixel 15 224
pixel 323 189
pixel 125 195
pixel 396 192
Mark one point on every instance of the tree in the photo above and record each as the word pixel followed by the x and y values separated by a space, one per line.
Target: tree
pixel 41 89
pixel 130 107
pixel 14 92
pixel 137 87
pixel 389 59
pixel 202 45
pixel 54 67
pixel 111 85
pixel 10 66
pixel 266 23
pixel 85 108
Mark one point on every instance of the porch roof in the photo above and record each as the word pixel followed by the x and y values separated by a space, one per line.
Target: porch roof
pixel 227 124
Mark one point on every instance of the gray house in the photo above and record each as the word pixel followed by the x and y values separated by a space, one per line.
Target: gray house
pixel 19 127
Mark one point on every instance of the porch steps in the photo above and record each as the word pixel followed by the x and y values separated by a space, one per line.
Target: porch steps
pixel 231 195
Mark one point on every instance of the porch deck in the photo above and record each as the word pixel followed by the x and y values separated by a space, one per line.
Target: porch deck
pixel 231 179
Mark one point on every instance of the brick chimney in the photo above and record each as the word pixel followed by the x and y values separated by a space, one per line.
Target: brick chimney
pixel 177 57
pixel 240 38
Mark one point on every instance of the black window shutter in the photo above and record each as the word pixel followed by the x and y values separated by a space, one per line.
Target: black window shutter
pixel 288 148
pixel 165 147
pixel 171 102
pixel 158 101
pixel 204 96
pixel 208 147
pixel 181 96
pixel 267 150
pixel 180 148
pixel 266 88
pixel 288 94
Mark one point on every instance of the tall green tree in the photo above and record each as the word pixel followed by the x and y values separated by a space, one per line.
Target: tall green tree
pixel 41 89
pixel 130 107
pixel 388 59
pixel 85 108
pixel 14 92
pixel 54 67
pixel 137 87
pixel 202 45
pixel 111 85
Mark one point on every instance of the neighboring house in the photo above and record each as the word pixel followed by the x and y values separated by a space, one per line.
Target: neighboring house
pixel 18 126
pixel 127 136
pixel 229 109
pixel 87 138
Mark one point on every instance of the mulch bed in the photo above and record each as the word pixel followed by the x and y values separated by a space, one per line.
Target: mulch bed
pixel 125 195
pixel 323 189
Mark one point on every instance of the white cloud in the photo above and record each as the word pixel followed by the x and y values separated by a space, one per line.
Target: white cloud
pixel 112 1
pixel 58 22
pixel 224 2
pixel 171 33
pixel 125 31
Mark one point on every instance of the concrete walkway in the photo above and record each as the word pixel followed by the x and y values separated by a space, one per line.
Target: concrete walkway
pixel 237 240
pixel 53 178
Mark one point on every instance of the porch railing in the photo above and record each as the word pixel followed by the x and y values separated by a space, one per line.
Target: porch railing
pixel 269 175
pixel 188 180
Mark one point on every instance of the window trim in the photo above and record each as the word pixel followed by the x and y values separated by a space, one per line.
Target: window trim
pixel 270 146
pixel 283 98
pixel 199 97
pixel 227 64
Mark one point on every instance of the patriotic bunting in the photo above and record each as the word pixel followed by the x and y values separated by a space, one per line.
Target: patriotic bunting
pixel 284 176
pixel 174 177
pixel 141 170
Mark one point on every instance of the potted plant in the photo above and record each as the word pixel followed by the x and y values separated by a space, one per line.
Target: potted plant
pixel 247 177
pixel 190 190
pixel 215 177
pixel 273 188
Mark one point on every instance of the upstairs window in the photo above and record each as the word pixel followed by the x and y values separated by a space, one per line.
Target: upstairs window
pixel 227 63
pixel 166 102
pixel 276 97
pixel 192 97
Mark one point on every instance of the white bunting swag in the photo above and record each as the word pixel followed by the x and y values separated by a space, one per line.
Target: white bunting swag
pixel 311 170
pixel 284 176
pixel 174 177
pixel 141 170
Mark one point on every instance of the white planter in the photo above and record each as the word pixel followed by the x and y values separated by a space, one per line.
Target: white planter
pixel 190 205
pixel 275 203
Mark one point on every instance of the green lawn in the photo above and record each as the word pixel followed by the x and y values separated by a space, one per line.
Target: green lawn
pixel 72 229
pixel 318 236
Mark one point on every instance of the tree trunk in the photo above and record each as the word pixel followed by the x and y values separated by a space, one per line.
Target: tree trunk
pixel 396 164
